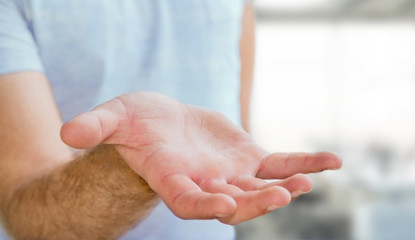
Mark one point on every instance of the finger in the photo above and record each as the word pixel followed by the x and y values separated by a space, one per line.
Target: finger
pixel 188 201
pixel 89 129
pixel 220 186
pixel 252 204
pixel 279 166
pixel 249 183
pixel 296 185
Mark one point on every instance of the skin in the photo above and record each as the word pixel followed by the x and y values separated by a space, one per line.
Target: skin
pixel 45 191
pixel 247 52
pixel 60 205
pixel 200 164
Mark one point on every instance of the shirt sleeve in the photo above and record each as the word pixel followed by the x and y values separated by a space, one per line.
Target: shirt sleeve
pixel 18 49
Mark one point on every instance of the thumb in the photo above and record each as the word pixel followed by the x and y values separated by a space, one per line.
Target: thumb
pixel 89 129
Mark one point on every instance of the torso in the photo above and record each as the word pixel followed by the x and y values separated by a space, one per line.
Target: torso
pixel 94 50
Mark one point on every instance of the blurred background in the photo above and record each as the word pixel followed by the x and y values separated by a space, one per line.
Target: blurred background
pixel 339 75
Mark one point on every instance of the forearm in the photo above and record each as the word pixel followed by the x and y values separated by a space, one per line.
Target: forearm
pixel 96 196
pixel 247 53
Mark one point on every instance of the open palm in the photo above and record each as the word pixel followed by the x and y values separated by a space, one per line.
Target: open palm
pixel 201 164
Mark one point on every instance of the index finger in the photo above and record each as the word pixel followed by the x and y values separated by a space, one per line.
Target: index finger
pixel 283 165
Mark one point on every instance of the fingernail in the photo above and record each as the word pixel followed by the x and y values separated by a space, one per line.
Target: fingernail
pixel 296 194
pixel 221 215
pixel 272 208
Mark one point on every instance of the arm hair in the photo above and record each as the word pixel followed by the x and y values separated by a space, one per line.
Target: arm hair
pixel 95 196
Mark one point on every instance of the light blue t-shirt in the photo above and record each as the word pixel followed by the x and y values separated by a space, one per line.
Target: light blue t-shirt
pixel 94 50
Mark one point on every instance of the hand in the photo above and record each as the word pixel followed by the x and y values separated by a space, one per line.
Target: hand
pixel 201 165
